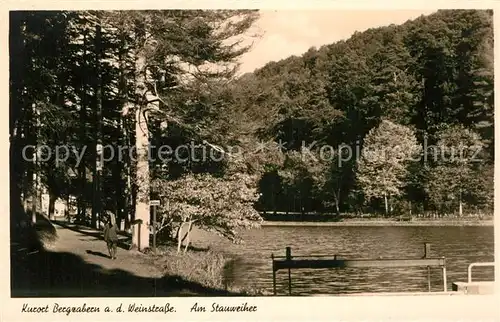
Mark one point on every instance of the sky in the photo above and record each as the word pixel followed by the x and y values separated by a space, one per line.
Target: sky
pixel 286 33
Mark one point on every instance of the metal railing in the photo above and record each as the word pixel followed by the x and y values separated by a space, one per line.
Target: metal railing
pixel 469 270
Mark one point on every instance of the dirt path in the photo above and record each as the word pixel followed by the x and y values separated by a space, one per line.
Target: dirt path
pixel 93 250
pixel 77 264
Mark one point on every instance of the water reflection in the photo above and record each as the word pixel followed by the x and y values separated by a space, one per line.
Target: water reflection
pixel 460 245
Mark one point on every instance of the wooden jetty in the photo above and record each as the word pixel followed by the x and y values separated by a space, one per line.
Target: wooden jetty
pixel 290 262
pixel 476 287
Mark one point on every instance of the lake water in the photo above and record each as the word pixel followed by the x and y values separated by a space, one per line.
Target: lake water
pixel 459 245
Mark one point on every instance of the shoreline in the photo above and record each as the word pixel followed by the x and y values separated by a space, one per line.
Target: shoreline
pixel 382 223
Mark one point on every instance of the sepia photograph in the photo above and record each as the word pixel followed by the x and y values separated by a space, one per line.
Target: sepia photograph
pixel 250 153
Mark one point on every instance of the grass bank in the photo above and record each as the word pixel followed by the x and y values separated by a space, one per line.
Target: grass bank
pixel 33 236
pixel 384 223
pixel 205 267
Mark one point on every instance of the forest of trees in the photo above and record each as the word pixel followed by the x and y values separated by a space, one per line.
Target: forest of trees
pixel 423 86
pixel 84 81
pixel 93 79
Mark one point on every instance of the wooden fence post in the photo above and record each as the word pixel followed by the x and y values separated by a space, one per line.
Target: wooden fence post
pixel 427 252
pixel 289 257
pixel 274 275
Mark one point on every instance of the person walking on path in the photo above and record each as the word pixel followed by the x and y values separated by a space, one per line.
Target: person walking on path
pixel 110 234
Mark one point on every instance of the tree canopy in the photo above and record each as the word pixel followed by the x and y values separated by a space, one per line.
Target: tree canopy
pixel 428 75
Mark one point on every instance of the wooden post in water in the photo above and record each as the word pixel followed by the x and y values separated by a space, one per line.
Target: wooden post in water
pixel 445 282
pixel 429 277
pixel 427 251
pixel 274 275
pixel 289 257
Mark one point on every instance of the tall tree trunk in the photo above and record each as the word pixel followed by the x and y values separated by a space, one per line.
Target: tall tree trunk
pixel 34 195
pixel 460 208
pixel 82 170
pixel 128 176
pixel 29 120
pixel 97 205
pixel 16 113
pixel 118 193
pixel 386 204
pixel 52 205
pixel 25 190
pixel 124 160
pixel 337 208
pixel 67 210
pixel 336 196
pixel 141 145
pixel 36 170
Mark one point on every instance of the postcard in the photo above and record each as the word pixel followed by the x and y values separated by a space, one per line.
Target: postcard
pixel 250 161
